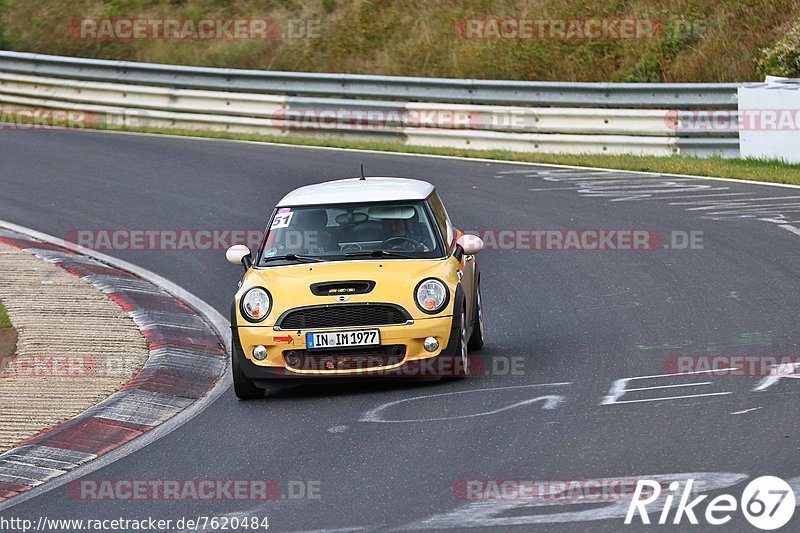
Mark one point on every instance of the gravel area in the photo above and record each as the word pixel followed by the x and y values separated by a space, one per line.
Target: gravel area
pixel 75 347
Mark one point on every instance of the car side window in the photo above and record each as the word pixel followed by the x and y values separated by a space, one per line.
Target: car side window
pixel 442 220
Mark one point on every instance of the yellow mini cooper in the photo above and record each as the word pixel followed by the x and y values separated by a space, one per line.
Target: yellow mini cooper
pixel 356 278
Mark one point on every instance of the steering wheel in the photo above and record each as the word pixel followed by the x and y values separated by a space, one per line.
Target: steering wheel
pixel 402 243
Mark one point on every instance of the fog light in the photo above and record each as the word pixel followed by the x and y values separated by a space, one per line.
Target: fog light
pixel 292 359
pixel 431 344
pixel 260 353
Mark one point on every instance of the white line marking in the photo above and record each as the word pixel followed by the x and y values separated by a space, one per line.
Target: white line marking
pixel 619 387
pixel 639 183
pixel 787 227
pixel 778 373
pixel 709 197
pixel 571 171
pixel 526 171
pixel 762 211
pixel 569 175
pixel 745 202
pixel 550 402
pixel 624 186
pixel 746 208
pixel 337 530
pixel 494 514
pixel 694 196
pixel 671 386
pixel 757 211
pixel 764 199
pixel 326 530
pixel 673 397
pixel 746 411
pixel 595 178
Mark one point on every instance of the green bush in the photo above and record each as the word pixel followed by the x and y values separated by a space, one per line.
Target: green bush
pixel 5 323
pixel 783 57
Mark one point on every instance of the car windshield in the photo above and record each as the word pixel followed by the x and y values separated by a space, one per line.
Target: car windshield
pixel 351 231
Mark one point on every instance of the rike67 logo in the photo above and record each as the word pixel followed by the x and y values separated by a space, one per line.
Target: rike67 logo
pixel 767 502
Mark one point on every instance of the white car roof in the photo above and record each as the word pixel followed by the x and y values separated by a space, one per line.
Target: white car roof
pixel 357 190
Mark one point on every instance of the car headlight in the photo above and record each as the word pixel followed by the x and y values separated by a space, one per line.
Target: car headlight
pixel 431 295
pixel 256 304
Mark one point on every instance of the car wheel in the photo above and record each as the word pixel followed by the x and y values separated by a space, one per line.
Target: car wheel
pixel 243 387
pixel 460 356
pixel 476 340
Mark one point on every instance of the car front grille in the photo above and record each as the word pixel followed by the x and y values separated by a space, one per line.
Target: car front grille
pixel 345 358
pixel 343 315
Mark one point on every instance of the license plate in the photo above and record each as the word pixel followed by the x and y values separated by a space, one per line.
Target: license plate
pixel 343 339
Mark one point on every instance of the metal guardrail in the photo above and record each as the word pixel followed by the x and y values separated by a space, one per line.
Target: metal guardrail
pixel 568 117
pixel 525 93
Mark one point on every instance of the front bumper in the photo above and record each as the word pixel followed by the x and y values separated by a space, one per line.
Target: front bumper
pixel 414 363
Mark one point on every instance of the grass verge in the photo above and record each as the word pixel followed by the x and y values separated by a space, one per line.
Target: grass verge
pixel 694 40
pixel 5 323
pixel 773 171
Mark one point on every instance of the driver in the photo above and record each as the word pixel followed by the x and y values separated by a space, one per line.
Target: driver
pixel 395 228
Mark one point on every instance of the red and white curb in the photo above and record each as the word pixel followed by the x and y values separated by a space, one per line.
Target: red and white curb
pixel 187 358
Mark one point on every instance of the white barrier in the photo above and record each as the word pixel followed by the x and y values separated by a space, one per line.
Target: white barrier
pixel 770 116
pixel 639 131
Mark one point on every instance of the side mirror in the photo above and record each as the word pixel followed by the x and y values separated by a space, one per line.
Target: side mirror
pixel 239 254
pixel 471 244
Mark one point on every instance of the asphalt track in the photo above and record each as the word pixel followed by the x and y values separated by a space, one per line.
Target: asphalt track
pixel 579 321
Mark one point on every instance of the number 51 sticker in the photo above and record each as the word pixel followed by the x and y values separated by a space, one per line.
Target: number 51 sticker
pixel 282 220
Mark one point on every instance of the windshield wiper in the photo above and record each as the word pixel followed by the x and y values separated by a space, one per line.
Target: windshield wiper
pixel 294 257
pixel 378 253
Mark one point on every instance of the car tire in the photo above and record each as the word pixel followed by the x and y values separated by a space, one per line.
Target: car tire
pixel 243 387
pixel 460 357
pixel 476 339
